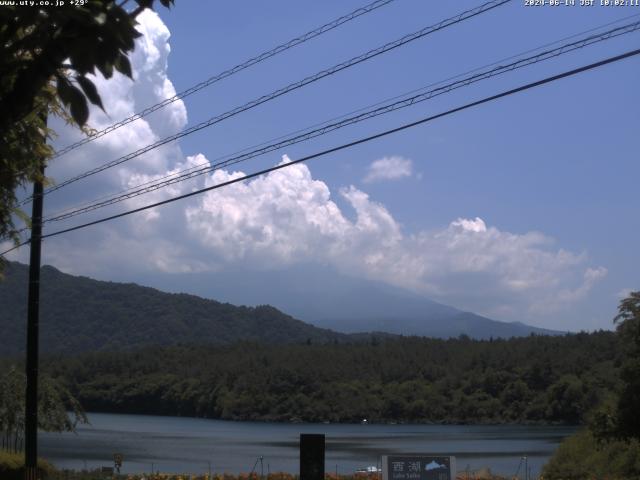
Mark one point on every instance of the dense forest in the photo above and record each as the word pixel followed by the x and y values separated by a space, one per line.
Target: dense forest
pixel 609 446
pixel 537 379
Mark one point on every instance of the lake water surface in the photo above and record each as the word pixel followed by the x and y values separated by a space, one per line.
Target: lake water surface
pixel 187 445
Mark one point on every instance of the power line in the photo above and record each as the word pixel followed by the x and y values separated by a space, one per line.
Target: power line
pixel 293 86
pixel 406 126
pixel 227 73
pixel 15 247
pixel 343 116
pixel 117 195
pixel 204 168
pixel 197 170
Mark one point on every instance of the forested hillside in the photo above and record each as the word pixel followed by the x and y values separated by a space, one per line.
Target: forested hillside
pixel 79 314
pixel 537 379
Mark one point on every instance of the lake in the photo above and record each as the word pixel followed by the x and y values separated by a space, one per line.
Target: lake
pixel 190 445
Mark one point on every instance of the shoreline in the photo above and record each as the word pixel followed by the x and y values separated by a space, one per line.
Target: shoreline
pixel 297 421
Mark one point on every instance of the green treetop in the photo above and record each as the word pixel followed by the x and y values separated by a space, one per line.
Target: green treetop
pixel 47 53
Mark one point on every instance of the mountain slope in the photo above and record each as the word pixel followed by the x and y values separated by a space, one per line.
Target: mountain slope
pixel 346 304
pixel 446 326
pixel 388 309
pixel 81 314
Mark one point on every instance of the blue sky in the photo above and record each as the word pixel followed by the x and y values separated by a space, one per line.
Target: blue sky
pixel 521 209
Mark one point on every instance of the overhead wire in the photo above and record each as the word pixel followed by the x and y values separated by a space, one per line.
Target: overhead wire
pixel 206 167
pixel 157 182
pixel 293 86
pixel 334 119
pixel 414 91
pixel 227 73
pixel 344 146
pixel 381 102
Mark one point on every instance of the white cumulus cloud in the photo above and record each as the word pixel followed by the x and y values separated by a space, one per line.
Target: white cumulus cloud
pixel 389 168
pixel 286 217
pixel 477 225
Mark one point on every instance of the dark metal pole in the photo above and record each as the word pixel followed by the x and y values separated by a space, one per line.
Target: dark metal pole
pixel 31 407
pixel 312 458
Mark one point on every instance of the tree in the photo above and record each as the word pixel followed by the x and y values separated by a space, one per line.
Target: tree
pixel 58 409
pixel 628 321
pixel 582 456
pixel 46 57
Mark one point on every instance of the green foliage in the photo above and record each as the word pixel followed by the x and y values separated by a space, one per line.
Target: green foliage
pixel 22 153
pixel 43 43
pixel 537 379
pixel 58 410
pixel 628 320
pixel 565 398
pixel 45 57
pixel 12 466
pixel 11 409
pixel 581 457
pixel 400 380
pixel 610 447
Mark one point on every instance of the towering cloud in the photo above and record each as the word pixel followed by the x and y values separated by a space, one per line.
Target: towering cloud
pixel 286 217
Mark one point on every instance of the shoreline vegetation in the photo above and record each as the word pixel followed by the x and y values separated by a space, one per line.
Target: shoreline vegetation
pixel 579 457
pixel 12 468
pixel 586 378
pixel 532 380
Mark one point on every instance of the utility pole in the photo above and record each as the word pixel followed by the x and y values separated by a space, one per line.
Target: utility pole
pixel 33 313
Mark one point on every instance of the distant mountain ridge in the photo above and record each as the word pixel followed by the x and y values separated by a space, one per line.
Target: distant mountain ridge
pixel 79 314
pixel 328 299
pixel 450 326
pixel 388 309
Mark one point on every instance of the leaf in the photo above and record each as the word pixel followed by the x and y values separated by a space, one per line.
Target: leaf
pixel 64 89
pixel 123 66
pixel 106 69
pixel 90 91
pixel 79 109
pixel 83 60
pixel 73 98
pixel 22 215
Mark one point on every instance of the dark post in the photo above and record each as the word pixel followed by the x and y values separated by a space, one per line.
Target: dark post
pixel 31 407
pixel 311 456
